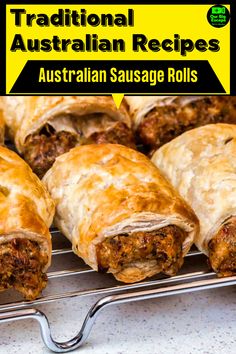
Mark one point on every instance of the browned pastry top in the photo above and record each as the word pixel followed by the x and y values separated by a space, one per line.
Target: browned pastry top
pixel 106 190
pixel 26 209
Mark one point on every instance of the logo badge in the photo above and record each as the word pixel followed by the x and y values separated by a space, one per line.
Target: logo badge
pixel 218 16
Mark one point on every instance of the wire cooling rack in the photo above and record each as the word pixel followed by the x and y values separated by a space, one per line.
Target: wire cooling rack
pixel 194 276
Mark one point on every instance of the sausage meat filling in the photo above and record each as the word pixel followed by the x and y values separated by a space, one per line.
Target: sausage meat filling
pixel 42 149
pixel 119 134
pixel 164 123
pixel 222 249
pixel 163 245
pixel 21 264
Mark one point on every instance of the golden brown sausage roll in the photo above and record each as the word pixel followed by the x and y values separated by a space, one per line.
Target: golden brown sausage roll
pixel 118 211
pixel 26 212
pixel 46 127
pixel 159 119
pixel 201 164
pixel 2 130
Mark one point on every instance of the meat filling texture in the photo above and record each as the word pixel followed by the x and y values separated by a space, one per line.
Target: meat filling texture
pixel 222 249
pixel 119 134
pixel 42 149
pixel 163 245
pixel 21 264
pixel 163 124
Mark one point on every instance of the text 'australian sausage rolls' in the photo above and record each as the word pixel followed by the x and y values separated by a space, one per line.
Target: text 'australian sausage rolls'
pixel 26 212
pixel 45 127
pixel 201 164
pixel 159 119
pixel 118 211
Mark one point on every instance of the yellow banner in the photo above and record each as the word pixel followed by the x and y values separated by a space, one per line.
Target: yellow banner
pixel 114 32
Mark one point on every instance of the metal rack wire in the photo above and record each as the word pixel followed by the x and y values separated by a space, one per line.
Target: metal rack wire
pixel 186 281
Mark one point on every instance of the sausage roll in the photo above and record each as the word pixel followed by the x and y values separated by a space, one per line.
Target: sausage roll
pixel 45 127
pixel 1 130
pixel 159 119
pixel 1 124
pixel 201 164
pixel 120 214
pixel 26 212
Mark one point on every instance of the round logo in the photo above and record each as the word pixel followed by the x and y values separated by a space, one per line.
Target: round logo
pixel 218 16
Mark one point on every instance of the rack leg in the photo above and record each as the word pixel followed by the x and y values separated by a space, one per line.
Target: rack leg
pixel 79 339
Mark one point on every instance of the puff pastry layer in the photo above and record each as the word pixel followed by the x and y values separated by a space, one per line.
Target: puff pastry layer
pixel 45 127
pixel 26 212
pixel 1 124
pixel 201 164
pixel 119 212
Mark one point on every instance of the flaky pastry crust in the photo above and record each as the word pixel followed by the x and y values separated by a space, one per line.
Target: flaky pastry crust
pixel 2 124
pixel 26 115
pixel 106 190
pixel 26 208
pixel 201 165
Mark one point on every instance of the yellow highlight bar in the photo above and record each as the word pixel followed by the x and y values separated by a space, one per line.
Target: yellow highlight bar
pixel 154 22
